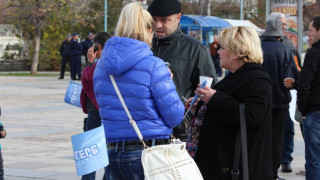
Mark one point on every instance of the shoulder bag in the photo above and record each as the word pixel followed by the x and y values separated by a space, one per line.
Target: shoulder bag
pixel 169 161
pixel 241 132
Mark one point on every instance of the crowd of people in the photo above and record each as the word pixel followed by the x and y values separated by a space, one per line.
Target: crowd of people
pixel 71 51
pixel 157 67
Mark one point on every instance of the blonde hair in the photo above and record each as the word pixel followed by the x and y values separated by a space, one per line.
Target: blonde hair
pixel 244 42
pixel 134 22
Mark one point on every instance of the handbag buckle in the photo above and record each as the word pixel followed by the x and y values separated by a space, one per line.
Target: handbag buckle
pixel 235 172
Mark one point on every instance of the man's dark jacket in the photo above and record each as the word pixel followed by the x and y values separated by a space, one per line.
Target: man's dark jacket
pixel 289 43
pixel 188 59
pixel 86 44
pixel 76 48
pixel 65 49
pixel 250 85
pixel 278 60
pixel 308 94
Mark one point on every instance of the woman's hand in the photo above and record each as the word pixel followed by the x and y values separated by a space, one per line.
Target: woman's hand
pixel 91 55
pixel 187 105
pixel 205 94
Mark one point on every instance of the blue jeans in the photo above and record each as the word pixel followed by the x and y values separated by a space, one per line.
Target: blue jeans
pixel 311 129
pixel 288 143
pixel 216 63
pixel 125 165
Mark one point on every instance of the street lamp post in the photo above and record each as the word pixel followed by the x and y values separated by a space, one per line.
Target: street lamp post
pixel 105 15
pixel 241 10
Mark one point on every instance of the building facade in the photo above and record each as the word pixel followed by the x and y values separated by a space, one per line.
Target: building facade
pixel 9 41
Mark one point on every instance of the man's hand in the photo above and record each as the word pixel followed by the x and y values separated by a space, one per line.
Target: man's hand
pixel 171 76
pixel 91 55
pixel 288 82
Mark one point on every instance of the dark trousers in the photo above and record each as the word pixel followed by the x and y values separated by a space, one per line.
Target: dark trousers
pixel 288 144
pixel 76 67
pixel 278 128
pixel 64 61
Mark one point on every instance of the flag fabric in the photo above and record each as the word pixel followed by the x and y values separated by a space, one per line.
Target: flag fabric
pixel 73 94
pixel 90 151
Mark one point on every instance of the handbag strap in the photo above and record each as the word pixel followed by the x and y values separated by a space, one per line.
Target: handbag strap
pixel 241 132
pixel 132 122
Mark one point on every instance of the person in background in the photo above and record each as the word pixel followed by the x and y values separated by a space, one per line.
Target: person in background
pixel 87 98
pixel 214 47
pixel 3 134
pixel 147 89
pixel 288 145
pixel 86 44
pixel 297 116
pixel 308 101
pixel 76 52
pixel 217 118
pixel 279 62
pixel 66 55
pixel 187 56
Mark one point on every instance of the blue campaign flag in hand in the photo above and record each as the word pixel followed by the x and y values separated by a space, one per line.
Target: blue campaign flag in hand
pixel 73 94
pixel 90 151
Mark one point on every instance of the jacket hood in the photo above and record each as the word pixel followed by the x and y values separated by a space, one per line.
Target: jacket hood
pixel 120 54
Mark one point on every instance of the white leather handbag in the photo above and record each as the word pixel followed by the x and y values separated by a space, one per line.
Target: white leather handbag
pixel 163 162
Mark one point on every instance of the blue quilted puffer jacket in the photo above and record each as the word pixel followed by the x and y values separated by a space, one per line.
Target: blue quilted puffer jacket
pixel 145 84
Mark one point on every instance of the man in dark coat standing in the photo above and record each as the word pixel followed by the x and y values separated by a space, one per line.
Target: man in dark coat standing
pixel 66 55
pixel 188 57
pixel 308 97
pixel 279 62
pixel 76 52
pixel 288 145
pixel 86 44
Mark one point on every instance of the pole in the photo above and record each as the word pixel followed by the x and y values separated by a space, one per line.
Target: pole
pixel 267 8
pixel 241 10
pixel 300 27
pixel 105 15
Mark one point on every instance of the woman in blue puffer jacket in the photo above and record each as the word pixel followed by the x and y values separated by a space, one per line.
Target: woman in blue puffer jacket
pixel 148 91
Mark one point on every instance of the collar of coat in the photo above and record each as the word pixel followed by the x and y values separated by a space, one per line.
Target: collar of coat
pixel 167 40
pixel 316 45
pixel 245 74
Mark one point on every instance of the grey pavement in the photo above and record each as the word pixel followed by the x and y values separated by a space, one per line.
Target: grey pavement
pixel 40 125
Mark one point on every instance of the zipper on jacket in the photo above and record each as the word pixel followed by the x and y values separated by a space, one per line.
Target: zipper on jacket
pixel 158 55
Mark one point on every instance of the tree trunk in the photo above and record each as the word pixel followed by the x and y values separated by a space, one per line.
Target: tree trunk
pixel 35 59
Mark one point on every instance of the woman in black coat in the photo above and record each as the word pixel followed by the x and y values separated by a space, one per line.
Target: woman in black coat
pixel 212 137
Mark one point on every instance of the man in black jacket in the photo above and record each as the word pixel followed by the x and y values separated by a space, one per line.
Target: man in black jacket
pixel 288 145
pixel 76 52
pixel 86 44
pixel 308 100
pixel 188 57
pixel 66 55
pixel 278 60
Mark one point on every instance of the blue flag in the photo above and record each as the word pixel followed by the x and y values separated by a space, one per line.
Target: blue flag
pixel 90 151
pixel 73 94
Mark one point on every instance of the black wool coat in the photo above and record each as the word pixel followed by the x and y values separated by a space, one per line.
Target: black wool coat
pixel 250 85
